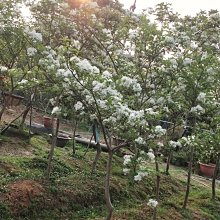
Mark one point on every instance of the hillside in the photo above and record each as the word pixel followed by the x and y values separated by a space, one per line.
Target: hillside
pixel 73 193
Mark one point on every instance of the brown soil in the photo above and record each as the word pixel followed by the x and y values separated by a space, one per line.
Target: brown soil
pixel 20 194
pixel 14 147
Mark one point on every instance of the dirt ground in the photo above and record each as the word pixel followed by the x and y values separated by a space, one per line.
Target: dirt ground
pixel 37 117
pixel 21 193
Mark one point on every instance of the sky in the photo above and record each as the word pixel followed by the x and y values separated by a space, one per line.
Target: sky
pixel 184 7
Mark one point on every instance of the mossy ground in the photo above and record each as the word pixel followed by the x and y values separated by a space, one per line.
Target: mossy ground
pixel 73 193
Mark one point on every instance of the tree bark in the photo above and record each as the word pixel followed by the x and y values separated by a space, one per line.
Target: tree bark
pixel 189 177
pixel 168 162
pixel 214 177
pixel 97 156
pixel 157 186
pixel 74 134
pixel 107 186
pixel 5 103
pixel 53 144
pixel 25 115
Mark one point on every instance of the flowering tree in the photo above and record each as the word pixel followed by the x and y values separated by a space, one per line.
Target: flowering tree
pixel 124 72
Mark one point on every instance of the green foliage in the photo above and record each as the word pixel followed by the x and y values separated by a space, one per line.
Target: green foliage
pixel 180 158
pixel 4 212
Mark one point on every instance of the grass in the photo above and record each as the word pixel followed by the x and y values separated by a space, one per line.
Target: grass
pixel 73 193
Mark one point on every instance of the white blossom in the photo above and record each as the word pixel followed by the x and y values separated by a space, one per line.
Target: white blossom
pixel 126 171
pixel 140 141
pixel 201 97
pixel 78 106
pixel 152 203
pixel 151 156
pixel 107 74
pixel 3 69
pixel 31 51
pixel 187 61
pixel 140 176
pixel 197 109
pixel 175 144
pixel 22 82
pixel 127 159
pixel 159 130
pixel 85 65
pixel 35 35
pixel 137 178
pixel 56 110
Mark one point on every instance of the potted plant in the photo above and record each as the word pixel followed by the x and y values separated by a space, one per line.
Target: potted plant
pixel 12 99
pixel 47 122
pixel 62 139
pixel 206 154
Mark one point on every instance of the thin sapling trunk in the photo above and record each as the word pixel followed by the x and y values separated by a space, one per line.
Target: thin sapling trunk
pixel 215 176
pixel 53 144
pixel 107 185
pixel 97 156
pixel 157 185
pixel 74 135
pixel 189 177
pixel 168 162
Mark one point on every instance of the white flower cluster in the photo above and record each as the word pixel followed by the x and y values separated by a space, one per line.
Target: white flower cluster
pixel 152 203
pixel 35 35
pixel 187 61
pixel 126 171
pixel 201 97
pixel 127 159
pixel 78 106
pixel 159 131
pixel 189 141
pixel 197 109
pixel 85 65
pixel 51 61
pixel 31 51
pixel 151 156
pixel 23 82
pixel 151 111
pixel 140 141
pixel 133 33
pixel 169 39
pixel 106 74
pixel 135 117
pixel 56 110
pixel 3 69
pixel 175 144
pixel 140 176
pixel 130 83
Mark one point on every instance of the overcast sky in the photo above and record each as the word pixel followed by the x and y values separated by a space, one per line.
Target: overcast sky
pixel 184 7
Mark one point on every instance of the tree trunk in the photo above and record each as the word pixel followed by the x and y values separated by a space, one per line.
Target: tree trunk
pixel 5 103
pixel 107 186
pixel 189 177
pixel 157 186
pixel 30 121
pixel 53 144
pixel 215 176
pixel 2 111
pixel 168 162
pixel 97 156
pixel 135 160
pixel 25 115
pixel 74 141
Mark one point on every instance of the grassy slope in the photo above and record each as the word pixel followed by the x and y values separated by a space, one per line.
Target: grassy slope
pixel 73 193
